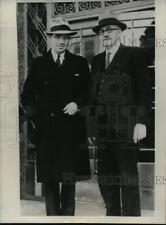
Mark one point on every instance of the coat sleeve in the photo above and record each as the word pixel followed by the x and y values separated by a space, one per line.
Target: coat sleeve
pixel 29 93
pixel 143 87
pixel 82 98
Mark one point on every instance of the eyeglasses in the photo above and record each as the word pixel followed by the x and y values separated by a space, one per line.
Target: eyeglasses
pixel 108 30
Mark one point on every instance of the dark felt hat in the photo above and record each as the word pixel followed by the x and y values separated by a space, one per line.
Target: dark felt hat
pixel 109 21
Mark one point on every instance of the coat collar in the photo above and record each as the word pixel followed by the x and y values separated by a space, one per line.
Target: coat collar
pixel 53 70
pixel 55 56
pixel 117 59
pixel 50 59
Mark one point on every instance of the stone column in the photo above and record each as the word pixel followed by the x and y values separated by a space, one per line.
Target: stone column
pixel 22 73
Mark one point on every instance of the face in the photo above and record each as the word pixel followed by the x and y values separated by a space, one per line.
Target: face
pixel 59 42
pixel 110 35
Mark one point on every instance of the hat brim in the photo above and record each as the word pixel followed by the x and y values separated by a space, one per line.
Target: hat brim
pixel 121 25
pixel 61 32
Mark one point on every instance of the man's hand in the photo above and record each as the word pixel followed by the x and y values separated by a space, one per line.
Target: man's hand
pixel 71 108
pixel 139 132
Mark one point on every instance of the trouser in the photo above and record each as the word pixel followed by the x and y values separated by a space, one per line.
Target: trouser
pixel 118 179
pixel 59 202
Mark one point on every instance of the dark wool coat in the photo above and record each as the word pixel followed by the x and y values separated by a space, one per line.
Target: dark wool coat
pixel 122 93
pixel 61 148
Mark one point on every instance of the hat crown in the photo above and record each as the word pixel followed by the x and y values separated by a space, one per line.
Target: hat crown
pixel 109 21
pixel 58 21
pixel 59 25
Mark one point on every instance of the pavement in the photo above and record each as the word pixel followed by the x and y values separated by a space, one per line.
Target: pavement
pixel 37 208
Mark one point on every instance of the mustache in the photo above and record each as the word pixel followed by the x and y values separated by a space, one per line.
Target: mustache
pixel 107 41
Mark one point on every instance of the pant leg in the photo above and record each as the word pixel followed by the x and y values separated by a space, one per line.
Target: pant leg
pixel 52 198
pixel 127 157
pixel 108 180
pixel 68 199
pixel 131 200
pixel 111 197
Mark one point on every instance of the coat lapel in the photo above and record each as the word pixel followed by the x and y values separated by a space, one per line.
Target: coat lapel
pixel 51 66
pixel 117 59
pixel 67 60
pixel 54 71
pixel 50 61
pixel 66 67
pixel 101 63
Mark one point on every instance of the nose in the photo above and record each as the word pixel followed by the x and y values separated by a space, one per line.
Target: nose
pixel 61 40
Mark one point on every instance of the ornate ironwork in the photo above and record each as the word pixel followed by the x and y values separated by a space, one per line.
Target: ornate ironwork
pixel 111 3
pixel 89 5
pixel 63 8
pixel 59 9
pixel 70 7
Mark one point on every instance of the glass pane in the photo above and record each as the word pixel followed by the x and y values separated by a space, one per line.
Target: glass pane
pixel 89 48
pixel 74 46
pixel 142 23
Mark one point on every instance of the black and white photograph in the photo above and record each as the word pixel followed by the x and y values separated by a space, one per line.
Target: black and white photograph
pixel 83 99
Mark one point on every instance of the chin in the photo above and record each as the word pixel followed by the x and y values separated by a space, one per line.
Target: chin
pixel 107 46
pixel 61 51
pixel 107 43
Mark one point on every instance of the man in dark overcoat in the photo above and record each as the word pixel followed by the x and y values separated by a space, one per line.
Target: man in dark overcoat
pixel 120 90
pixel 54 92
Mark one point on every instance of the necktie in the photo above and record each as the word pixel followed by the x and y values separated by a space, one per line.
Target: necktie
pixel 107 61
pixel 58 60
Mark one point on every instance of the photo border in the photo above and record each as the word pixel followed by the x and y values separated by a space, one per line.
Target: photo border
pixel 10 210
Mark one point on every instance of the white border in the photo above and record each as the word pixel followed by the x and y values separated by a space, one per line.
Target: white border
pixel 9 150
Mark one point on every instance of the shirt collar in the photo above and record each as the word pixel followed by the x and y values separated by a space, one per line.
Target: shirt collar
pixel 55 55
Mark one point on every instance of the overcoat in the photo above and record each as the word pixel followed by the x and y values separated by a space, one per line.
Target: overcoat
pixel 61 150
pixel 121 95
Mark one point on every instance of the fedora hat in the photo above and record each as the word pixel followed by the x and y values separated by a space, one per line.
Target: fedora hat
pixel 109 21
pixel 60 26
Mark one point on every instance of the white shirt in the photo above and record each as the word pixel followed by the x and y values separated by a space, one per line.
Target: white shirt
pixel 55 56
pixel 113 51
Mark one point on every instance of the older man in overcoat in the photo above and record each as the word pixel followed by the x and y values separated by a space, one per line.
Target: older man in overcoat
pixel 56 89
pixel 121 91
